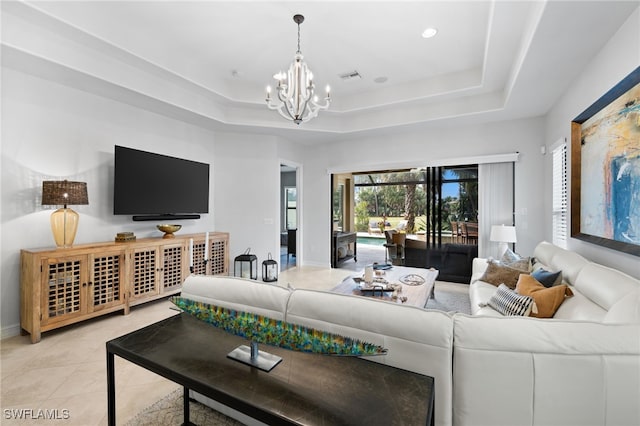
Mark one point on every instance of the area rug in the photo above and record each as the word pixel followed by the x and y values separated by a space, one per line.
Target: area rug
pixel 168 411
pixel 450 297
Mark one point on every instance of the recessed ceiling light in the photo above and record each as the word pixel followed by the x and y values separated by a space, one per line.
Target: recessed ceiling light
pixel 380 79
pixel 429 32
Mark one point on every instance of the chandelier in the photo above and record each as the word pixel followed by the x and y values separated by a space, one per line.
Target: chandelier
pixel 295 89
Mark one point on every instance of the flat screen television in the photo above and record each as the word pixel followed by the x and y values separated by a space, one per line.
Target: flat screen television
pixel 152 186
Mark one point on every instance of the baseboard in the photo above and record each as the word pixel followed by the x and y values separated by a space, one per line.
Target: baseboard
pixel 10 331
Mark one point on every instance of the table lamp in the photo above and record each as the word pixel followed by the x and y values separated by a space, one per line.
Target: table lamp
pixel 503 235
pixel 64 221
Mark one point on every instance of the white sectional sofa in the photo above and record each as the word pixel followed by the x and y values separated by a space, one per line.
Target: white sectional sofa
pixel 581 367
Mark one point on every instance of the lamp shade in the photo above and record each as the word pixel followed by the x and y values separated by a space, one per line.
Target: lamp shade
pixel 64 221
pixel 503 234
pixel 64 193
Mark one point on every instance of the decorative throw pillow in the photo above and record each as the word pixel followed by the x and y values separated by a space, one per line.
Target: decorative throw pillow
pixel 547 278
pixel 548 300
pixel 510 303
pixel 514 260
pixel 498 273
pixel 510 256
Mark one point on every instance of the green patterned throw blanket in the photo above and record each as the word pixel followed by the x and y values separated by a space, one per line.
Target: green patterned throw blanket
pixel 261 329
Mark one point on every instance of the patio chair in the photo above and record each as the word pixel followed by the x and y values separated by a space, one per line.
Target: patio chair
pixel 470 232
pixel 394 247
pixel 456 232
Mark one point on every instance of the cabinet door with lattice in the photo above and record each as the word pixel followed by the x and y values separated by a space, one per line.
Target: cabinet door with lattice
pixel 199 266
pixel 64 288
pixel 145 271
pixel 174 268
pixel 106 286
pixel 218 255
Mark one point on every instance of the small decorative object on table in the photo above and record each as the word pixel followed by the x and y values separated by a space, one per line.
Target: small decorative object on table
pixel 412 279
pixel 125 236
pixel 169 230
pixel 269 270
pixel 245 265
pixel 261 329
pixel 368 274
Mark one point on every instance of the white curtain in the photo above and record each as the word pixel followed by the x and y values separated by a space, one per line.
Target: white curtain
pixel 495 203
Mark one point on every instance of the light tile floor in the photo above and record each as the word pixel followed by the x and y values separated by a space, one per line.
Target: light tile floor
pixel 66 370
pixel 65 373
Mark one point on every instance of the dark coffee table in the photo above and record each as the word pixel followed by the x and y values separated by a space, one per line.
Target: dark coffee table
pixel 304 388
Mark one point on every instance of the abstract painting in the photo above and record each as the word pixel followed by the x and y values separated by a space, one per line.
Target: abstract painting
pixel 605 180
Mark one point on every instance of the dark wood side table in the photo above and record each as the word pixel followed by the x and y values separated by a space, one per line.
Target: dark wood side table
pixel 304 389
pixel 348 239
pixel 291 242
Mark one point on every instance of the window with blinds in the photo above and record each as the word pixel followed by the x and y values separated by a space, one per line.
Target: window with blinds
pixel 560 214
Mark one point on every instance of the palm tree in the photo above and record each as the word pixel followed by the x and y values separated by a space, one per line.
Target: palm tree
pixel 409 207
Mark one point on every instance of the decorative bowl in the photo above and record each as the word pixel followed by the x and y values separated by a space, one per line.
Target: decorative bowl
pixel 169 230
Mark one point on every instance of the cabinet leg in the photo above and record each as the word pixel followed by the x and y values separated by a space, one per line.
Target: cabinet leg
pixel 35 336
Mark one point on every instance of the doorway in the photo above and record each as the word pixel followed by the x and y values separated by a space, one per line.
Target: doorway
pixel 289 216
pixel 423 217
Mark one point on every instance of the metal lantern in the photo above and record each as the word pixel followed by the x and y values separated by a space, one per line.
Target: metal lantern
pixel 269 270
pixel 246 265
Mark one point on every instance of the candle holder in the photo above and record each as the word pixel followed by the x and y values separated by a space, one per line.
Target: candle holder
pixel 192 269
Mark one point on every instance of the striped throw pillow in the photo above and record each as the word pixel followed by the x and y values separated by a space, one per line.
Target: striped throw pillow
pixel 510 303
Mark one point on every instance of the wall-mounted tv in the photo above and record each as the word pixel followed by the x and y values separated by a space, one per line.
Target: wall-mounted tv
pixel 152 186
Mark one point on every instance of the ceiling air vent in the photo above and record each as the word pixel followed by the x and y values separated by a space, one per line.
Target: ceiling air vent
pixel 350 75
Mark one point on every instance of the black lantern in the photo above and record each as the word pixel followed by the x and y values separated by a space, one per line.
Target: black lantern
pixel 269 270
pixel 246 265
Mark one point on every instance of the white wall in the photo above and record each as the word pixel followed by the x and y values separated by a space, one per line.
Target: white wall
pixel 246 193
pixel 525 136
pixel 616 60
pixel 51 131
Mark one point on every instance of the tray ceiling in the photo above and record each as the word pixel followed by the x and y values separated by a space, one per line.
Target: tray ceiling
pixel 491 60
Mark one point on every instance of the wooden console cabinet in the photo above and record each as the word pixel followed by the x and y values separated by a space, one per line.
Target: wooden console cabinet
pixel 62 286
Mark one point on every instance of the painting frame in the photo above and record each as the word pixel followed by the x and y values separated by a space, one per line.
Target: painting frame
pixel 591 132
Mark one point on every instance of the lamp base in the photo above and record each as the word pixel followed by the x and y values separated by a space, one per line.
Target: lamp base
pixel 64 225
pixel 502 247
pixel 255 358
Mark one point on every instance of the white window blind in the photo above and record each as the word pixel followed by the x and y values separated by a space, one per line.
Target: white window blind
pixel 560 220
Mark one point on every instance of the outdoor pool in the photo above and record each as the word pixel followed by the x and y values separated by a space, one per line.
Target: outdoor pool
pixel 372 241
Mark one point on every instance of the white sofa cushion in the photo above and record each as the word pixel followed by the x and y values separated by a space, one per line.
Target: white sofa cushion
pixel 544 252
pixel 529 371
pixel 417 339
pixel 604 286
pixel 559 259
pixel 238 293
pixel 579 307
pixel 570 263
pixel 626 310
